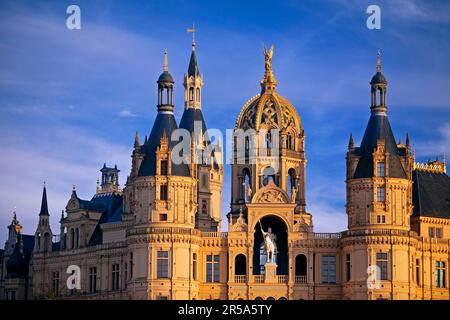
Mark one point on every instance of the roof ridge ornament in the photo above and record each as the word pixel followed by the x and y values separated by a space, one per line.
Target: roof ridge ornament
pixel 166 62
pixel 379 61
pixel 192 30
pixel 268 81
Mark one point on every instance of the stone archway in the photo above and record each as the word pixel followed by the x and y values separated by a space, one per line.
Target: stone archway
pixel 279 228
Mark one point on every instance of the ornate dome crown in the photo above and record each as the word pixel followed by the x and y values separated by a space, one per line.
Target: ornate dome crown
pixel 268 110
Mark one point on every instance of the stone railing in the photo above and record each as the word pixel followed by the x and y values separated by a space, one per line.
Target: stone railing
pixel 215 234
pixel 258 278
pixel 379 232
pixel 327 235
pixel 163 230
pixel 240 278
pixel 282 279
pixel 300 279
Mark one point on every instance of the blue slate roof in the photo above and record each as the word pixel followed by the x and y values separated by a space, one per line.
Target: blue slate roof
pixel 189 116
pixel 28 243
pixel 193 65
pixel 378 128
pixel 44 205
pixel 111 204
pixel 431 194
pixel 164 122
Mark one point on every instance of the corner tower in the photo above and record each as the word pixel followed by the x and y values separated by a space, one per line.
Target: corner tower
pixel 379 171
pixel 207 170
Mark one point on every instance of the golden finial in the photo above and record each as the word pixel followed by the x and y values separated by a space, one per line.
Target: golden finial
pixel 379 61
pixel 166 62
pixel 268 74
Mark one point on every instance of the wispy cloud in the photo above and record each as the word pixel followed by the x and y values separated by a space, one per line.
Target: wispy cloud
pixel 71 156
pixel 127 113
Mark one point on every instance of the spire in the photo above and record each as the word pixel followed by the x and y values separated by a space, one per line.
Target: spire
pixel 379 61
pixel 407 141
pixel 351 144
pixel 44 206
pixel 136 140
pixel 193 65
pixel 166 62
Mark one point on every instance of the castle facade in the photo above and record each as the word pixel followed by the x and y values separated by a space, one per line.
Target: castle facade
pixel 160 237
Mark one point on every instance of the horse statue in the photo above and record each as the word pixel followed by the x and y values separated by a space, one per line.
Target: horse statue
pixel 270 247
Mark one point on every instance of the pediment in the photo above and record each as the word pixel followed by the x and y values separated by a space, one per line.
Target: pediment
pixel 271 193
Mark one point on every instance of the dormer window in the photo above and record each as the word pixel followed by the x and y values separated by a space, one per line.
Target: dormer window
pixel 381 169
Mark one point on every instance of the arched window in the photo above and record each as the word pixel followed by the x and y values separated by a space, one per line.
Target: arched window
pixel 72 238
pixel 381 96
pixel 268 140
pixel 301 265
pixel 291 181
pixel 197 95
pixel 77 237
pixel 191 94
pixel 240 265
pixel 268 175
pixel 246 183
pixel 46 241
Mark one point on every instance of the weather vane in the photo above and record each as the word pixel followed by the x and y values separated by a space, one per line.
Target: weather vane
pixel 192 30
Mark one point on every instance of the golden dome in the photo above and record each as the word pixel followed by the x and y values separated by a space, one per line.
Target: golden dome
pixel 268 110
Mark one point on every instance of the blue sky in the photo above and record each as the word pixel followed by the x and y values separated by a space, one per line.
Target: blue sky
pixel 71 100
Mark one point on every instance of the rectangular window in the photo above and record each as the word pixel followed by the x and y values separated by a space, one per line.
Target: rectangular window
pixel 204 180
pixel 204 207
pixel 347 267
pixel 418 271
pixel 55 283
pixel 194 266
pixel 212 268
pixel 115 277
pixel 381 169
pixel 328 269
pixel 378 219
pixel 162 266
pixel 163 217
pixel 382 266
pixel 431 232
pixel 381 194
pixel 383 219
pixel 92 279
pixel 164 168
pixel 163 192
pixel 131 265
pixel 438 232
pixel 439 274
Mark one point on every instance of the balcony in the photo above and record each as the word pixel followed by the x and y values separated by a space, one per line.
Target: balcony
pixel 240 278
pixel 300 279
pixel 282 279
pixel 258 278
